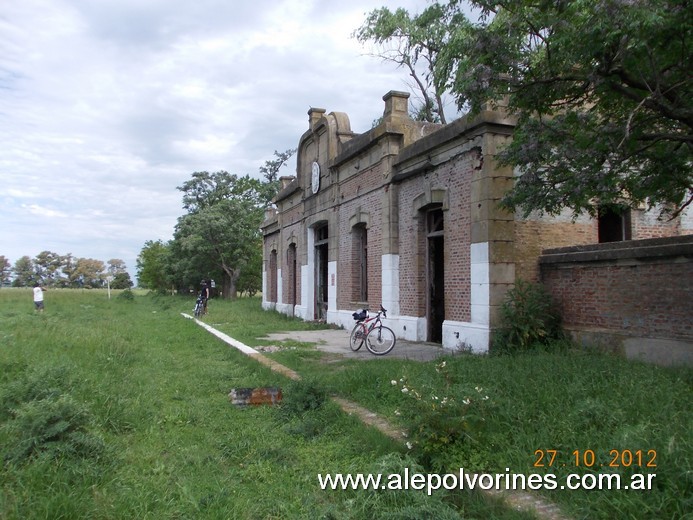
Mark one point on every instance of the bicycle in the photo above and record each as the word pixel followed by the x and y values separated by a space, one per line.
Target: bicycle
pixel 199 307
pixel 378 338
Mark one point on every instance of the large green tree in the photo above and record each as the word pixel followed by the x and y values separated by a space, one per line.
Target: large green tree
pixel 117 270
pixel 221 230
pixel 602 94
pixel 89 273
pixel 152 266
pixel 47 267
pixel 24 275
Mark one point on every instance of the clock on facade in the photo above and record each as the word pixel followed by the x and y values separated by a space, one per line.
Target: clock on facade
pixel 315 180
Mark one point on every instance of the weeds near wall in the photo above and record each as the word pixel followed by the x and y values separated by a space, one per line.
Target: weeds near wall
pixel 442 420
pixel 529 321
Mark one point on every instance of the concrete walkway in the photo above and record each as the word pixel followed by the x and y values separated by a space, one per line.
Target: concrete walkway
pixel 336 342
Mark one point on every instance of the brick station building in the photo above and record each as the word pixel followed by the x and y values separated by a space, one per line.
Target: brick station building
pixel 406 216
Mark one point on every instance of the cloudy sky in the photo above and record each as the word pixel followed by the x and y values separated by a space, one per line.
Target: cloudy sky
pixel 106 106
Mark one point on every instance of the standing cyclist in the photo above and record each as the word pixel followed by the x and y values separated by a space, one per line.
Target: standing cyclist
pixel 205 293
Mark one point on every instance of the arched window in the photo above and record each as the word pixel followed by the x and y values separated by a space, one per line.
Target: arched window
pixel 273 276
pixel 360 263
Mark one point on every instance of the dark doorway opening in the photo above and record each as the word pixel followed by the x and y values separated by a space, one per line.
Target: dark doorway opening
pixel 273 276
pixel 291 267
pixel 435 261
pixel 321 258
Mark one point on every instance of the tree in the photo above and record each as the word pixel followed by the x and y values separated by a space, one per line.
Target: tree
pixel 89 273
pixel 68 269
pixel 222 230
pixel 24 275
pixel 270 172
pixel 117 270
pixel 602 94
pixel 250 280
pixel 47 268
pixel 407 40
pixel 5 271
pixel 121 280
pixel 115 266
pixel 152 266
pixel 219 237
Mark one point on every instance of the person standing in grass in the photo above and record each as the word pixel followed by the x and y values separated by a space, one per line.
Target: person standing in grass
pixel 38 297
pixel 205 293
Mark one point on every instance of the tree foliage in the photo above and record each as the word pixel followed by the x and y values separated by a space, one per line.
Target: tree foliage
pixel 152 266
pixel 219 236
pixel 54 270
pixel 221 232
pixel 602 94
pixel 24 275
pixel 408 41
pixel 270 172
pixel 5 270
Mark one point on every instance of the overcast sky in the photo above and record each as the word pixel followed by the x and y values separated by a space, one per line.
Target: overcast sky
pixel 106 106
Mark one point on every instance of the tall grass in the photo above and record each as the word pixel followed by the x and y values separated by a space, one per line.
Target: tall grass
pixel 574 402
pixel 118 408
pixel 601 414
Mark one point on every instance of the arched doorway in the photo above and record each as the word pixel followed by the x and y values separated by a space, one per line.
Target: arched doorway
pixel 435 273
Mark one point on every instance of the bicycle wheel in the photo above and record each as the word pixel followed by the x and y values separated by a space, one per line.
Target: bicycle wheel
pixel 380 340
pixel 358 336
pixel 198 309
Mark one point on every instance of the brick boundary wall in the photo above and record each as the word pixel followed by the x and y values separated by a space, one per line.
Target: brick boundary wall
pixel 634 298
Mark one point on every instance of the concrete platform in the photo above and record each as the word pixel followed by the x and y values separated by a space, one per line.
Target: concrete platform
pixel 336 342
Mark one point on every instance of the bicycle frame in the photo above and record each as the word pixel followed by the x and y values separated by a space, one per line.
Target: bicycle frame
pixel 363 329
pixel 371 322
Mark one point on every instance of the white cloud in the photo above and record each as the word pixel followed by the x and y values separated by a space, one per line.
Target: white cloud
pixel 35 209
pixel 108 106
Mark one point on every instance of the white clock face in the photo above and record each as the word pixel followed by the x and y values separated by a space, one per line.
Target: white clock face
pixel 315 181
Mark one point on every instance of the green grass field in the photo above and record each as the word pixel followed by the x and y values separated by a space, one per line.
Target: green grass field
pixel 118 408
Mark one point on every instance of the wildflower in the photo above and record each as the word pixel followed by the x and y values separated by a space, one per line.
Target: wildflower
pixel 434 397
pixel 478 389
pixel 393 382
pixel 409 445
pixel 397 412
pixel 466 401
pixel 405 390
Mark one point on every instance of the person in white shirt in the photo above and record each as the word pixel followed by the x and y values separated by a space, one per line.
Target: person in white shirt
pixel 38 297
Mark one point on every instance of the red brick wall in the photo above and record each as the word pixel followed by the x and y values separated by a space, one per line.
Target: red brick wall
pixel 455 176
pixel 645 224
pixel 362 193
pixel 282 260
pixel 636 291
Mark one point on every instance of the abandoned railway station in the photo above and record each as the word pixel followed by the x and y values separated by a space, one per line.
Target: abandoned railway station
pixel 406 216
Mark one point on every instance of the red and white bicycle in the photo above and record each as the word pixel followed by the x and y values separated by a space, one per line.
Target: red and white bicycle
pixel 378 338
